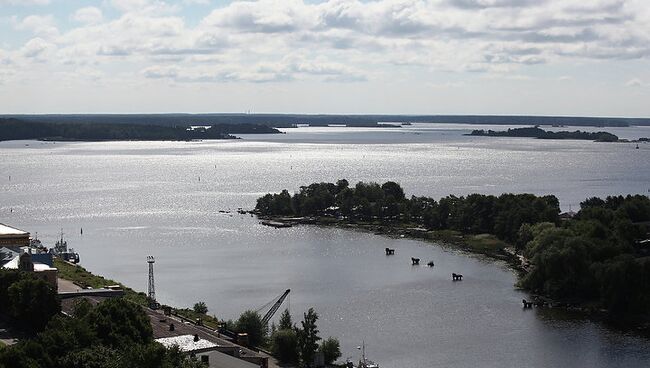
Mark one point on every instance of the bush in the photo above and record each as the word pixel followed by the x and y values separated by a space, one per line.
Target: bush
pixel 284 345
pixel 200 307
pixel 331 350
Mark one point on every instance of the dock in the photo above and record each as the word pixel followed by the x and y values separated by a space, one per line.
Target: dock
pixel 276 224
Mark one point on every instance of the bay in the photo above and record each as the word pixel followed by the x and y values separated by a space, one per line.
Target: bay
pixel 133 199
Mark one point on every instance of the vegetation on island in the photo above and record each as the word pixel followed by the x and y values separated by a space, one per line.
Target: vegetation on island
pixel 387 203
pixel 14 129
pixel 600 257
pixel 536 132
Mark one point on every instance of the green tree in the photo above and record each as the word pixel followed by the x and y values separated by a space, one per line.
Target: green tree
pixel 284 345
pixel 33 302
pixel 285 321
pixel 120 323
pixel 331 350
pixel 250 322
pixel 392 189
pixel 308 337
pixel 200 307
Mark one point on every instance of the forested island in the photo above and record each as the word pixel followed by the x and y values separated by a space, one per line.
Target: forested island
pixel 598 258
pixel 536 132
pixel 14 129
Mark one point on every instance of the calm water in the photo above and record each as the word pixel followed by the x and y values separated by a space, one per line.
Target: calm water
pixel 138 198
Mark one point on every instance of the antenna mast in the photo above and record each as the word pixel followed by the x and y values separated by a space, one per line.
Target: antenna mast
pixel 151 291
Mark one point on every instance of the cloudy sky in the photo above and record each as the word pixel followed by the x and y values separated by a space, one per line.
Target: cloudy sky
pixel 546 57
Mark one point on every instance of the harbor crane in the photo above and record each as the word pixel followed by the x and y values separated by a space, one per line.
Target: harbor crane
pixel 274 308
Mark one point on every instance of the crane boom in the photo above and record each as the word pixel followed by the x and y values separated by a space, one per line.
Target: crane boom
pixel 275 307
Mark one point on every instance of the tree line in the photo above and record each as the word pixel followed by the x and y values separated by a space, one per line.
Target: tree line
pixel 476 213
pixel 600 257
pixel 14 129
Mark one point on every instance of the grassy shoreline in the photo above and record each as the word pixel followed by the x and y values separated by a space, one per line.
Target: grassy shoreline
pixel 482 244
pixel 84 279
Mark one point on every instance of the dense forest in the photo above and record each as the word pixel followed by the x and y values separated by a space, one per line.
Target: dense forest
pixel 289 120
pixel 536 132
pixel 13 129
pixel 598 257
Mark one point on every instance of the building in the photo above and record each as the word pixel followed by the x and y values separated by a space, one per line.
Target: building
pixel 206 351
pixel 39 264
pixel 13 238
pixel 17 254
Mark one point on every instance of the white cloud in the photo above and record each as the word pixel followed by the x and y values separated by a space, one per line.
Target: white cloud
pixel 150 7
pixel 40 25
pixel 393 41
pixel 635 82
pixel 36 48
pixel 88 15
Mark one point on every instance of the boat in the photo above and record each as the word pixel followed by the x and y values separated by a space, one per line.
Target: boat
pixel 61 250
pixel 363 362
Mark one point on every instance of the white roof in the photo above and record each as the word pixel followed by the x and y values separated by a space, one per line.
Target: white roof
pixel 186 343
pixel 8 230
pixel 38 267
pixel 13 264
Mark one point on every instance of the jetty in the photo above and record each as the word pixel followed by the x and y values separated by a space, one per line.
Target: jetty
pixel 276 224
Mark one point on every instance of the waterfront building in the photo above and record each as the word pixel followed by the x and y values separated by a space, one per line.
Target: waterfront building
pixel 16 253
pixel 13 238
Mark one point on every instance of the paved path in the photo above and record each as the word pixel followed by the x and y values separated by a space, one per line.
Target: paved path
pixel 67 285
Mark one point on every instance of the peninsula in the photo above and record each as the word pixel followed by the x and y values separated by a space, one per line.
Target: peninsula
pixel 595 259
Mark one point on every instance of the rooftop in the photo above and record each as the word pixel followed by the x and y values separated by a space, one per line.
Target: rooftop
pixel 8 231
pixel 186 343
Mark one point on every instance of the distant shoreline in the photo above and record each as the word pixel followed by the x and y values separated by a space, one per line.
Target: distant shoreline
pixel 357 120
pixel 17 129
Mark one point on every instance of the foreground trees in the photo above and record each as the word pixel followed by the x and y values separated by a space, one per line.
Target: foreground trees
pixel 116 333
pixel 29 300
pixel 299 345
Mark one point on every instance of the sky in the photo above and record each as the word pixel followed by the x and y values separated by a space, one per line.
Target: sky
pixel 513 57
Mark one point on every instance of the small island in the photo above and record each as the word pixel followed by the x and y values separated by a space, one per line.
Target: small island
pixel 596 260
pixel 536 132
pixel 16 129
